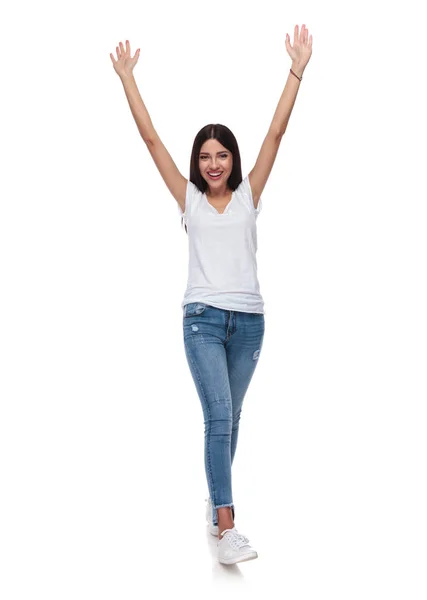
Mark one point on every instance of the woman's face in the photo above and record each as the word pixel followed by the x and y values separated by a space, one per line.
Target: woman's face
pixel 215 158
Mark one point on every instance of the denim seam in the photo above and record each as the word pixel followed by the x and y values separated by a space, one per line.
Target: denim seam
pixel 209 416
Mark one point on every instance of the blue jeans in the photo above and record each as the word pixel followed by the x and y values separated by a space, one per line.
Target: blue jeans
pixel 222 349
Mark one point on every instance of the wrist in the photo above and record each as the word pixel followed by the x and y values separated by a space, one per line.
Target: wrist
pixel 297 68
pixel 126 77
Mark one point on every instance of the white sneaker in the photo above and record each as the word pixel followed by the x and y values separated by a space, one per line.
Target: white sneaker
pixel 233 547
pixel 213 529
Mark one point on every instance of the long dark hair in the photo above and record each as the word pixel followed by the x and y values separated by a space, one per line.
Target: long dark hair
pixel 225 137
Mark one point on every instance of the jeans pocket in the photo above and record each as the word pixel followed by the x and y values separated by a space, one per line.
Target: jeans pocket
pixel 194 308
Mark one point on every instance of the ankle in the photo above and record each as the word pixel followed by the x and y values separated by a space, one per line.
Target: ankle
pixel 225 519
pixel 223 525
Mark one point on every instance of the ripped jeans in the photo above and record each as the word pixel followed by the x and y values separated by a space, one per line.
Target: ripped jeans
pixel 222 349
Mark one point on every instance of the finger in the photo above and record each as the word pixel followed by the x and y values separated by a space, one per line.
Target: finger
pixel 310 41
pixel 112 58
pixel 137 54
pixel 122 48
pixel 127 47
pixel 118 53
pixel 295 33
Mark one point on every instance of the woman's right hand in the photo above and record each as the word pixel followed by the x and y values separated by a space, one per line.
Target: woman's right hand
pixel 124 63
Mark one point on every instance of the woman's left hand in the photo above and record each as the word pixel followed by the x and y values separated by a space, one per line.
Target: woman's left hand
pixel 300 52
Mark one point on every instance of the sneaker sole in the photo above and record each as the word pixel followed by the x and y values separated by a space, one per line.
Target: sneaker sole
pixel 232 561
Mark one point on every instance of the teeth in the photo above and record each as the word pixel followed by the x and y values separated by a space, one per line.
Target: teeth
pixel 214 174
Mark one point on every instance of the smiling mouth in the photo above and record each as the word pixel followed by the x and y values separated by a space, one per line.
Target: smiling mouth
pixel 215 176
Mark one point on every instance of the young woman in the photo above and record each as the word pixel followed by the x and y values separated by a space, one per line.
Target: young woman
pixel 223 310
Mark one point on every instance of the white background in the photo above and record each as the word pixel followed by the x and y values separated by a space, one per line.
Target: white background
pixel 101 429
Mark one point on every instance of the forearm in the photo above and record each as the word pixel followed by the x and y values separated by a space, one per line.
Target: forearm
pixel 137 107
pixel 287 101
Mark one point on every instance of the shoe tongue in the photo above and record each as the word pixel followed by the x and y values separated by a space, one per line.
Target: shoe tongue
pixel 228 530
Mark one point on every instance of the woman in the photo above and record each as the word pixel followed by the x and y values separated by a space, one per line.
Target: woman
pixel 223 310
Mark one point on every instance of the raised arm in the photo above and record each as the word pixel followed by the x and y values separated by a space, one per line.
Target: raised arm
pixel 300 54
pixel 175 181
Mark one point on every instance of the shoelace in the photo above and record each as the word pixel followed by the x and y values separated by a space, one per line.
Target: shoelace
pixel 236 539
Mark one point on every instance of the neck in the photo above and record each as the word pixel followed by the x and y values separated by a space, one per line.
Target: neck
pixel 220 193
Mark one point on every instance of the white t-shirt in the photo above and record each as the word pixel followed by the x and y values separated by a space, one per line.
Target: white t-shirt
pixel 222 267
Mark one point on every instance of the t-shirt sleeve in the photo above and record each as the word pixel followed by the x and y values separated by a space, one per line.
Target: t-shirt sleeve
pixel 248 192
pixel 191 193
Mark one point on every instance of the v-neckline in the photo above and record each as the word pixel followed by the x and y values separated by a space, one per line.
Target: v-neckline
pixel 225 209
